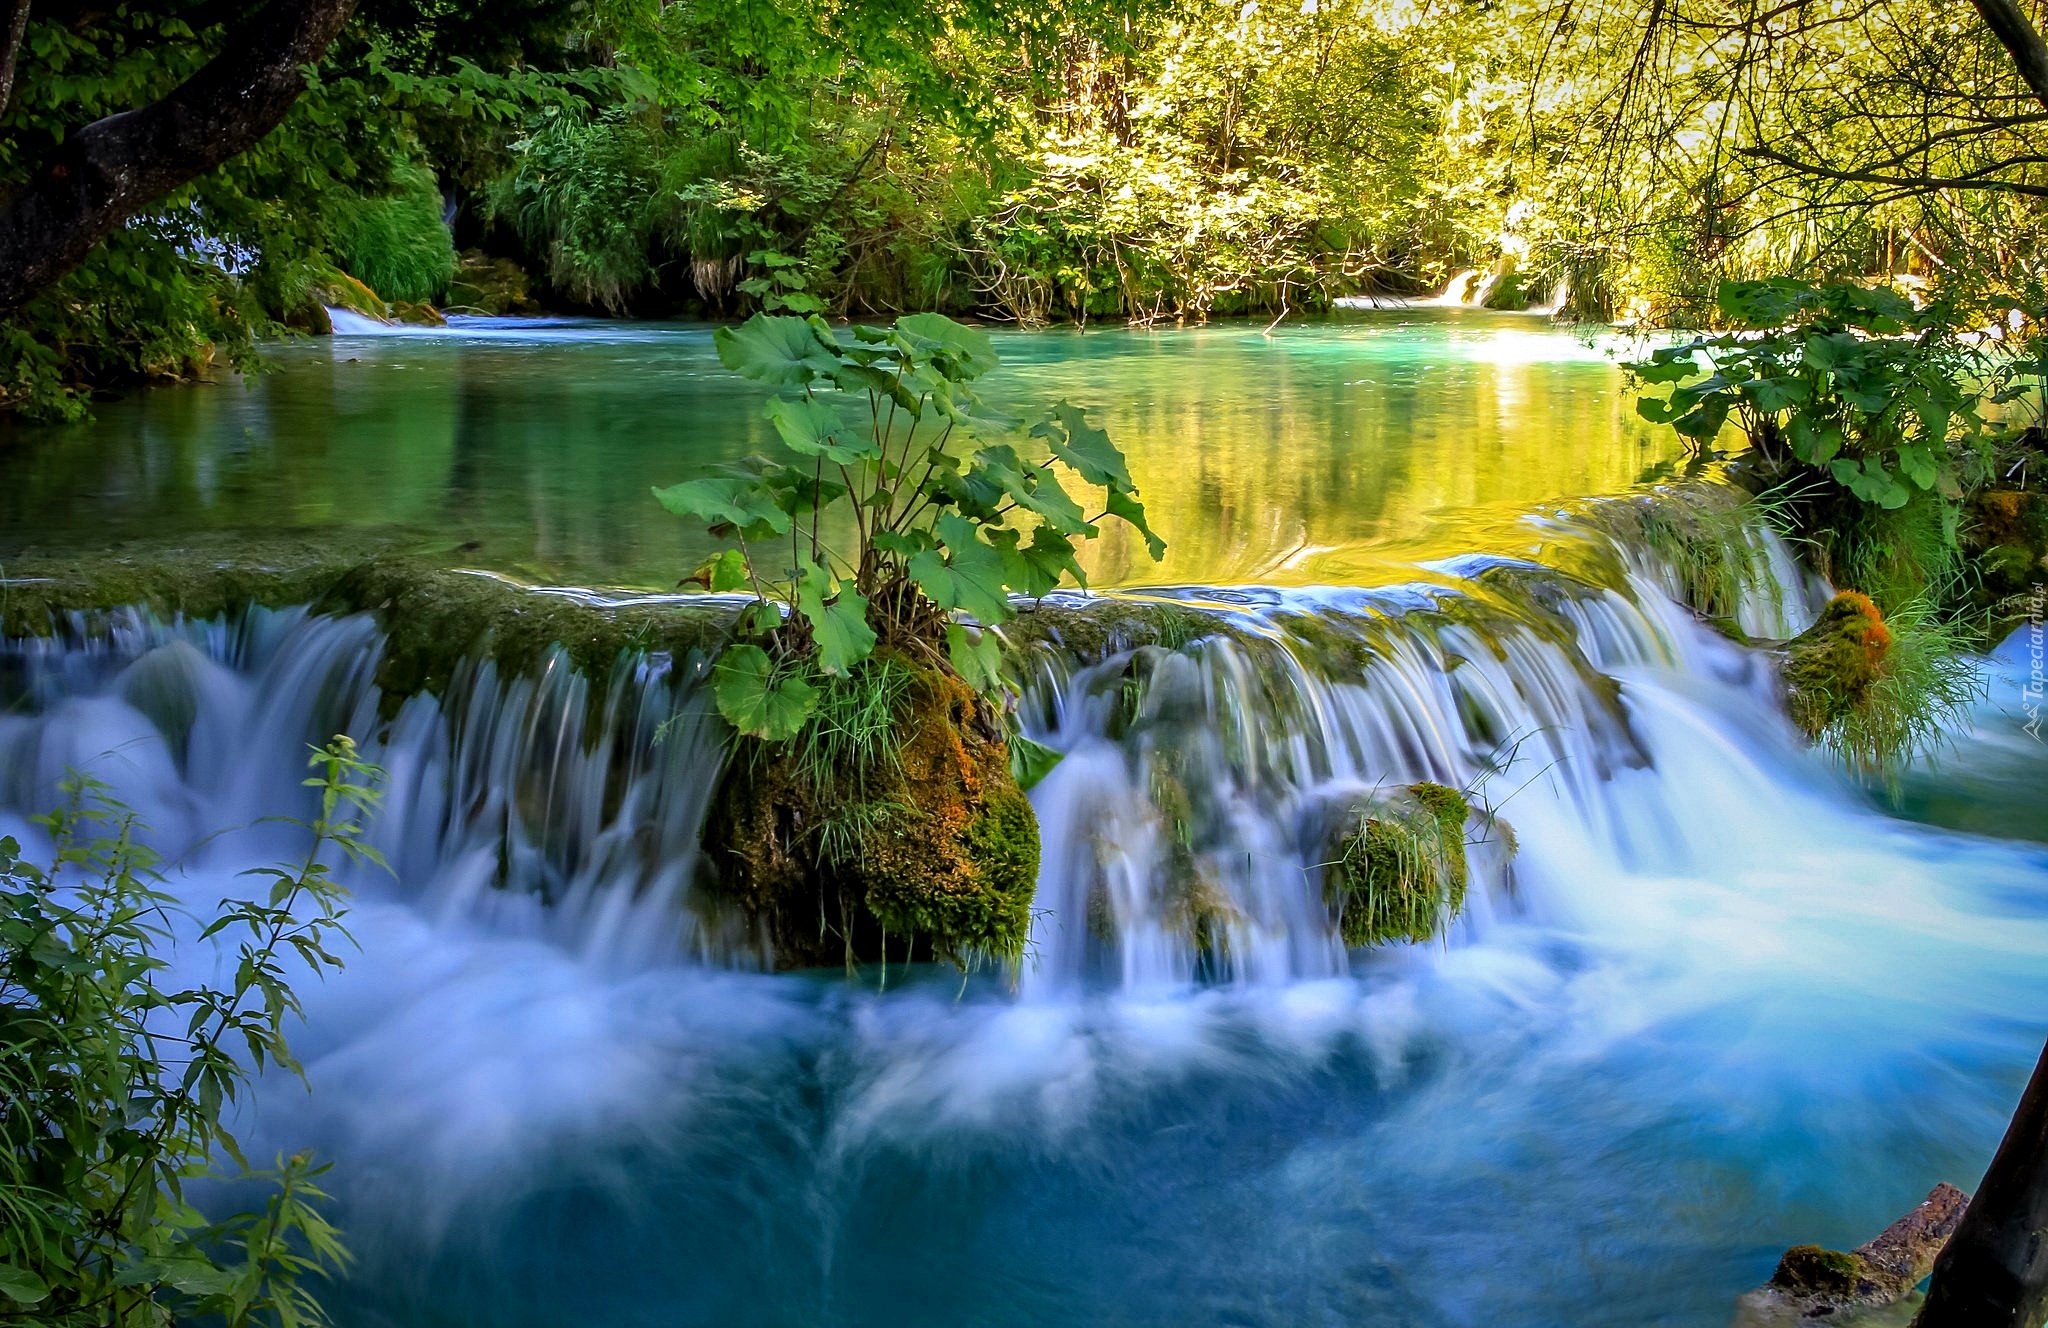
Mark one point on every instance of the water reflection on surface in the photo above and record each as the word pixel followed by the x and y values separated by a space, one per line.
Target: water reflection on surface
pixel 1332 452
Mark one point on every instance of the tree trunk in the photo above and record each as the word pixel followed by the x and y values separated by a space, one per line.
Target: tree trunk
pixel 2008 22
pixel 113 168
pixel 17 25
pixel 1994 1272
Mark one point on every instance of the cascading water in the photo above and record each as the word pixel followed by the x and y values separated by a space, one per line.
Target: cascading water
pixel 1711 1003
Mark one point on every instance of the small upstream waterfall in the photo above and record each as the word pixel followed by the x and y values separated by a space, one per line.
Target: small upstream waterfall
pixel 1713 1003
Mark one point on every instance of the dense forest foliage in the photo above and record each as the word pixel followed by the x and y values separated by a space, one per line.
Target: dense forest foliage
pixel 1127 160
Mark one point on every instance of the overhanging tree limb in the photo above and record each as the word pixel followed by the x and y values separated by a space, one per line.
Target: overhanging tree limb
pixel 111 169
pixel 2008 22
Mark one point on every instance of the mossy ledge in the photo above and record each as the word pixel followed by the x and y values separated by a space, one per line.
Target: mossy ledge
pixel 918 846
pixel 1396 869
pixel 1087 630
pixel 434 617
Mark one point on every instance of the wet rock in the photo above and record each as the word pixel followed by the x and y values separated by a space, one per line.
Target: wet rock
pixel 1817 1285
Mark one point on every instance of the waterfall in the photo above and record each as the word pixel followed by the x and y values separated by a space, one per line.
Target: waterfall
pixel 1711 1004
pixel 1179 829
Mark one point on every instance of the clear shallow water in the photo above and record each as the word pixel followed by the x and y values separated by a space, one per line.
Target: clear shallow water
pixel 1327 452
pixel 1720 1002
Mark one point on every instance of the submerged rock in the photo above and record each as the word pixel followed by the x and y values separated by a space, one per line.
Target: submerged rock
pixel 1814 1284
pixel 1396 868
pixel 917 842
pixel 1829 668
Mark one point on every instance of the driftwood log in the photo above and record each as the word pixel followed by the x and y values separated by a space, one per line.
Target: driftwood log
pixel 1815 1285
pixel 1994 1274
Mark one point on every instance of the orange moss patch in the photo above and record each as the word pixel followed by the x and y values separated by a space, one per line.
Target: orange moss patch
pixel 1830 665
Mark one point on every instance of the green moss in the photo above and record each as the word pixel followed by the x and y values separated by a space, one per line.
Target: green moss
pixel 1398 871
pixel 1699 530
pixel 437 619
pixel 931 851
pixel 1087 633
pixel 993 917
pixel 41 593
pixel 1815 1271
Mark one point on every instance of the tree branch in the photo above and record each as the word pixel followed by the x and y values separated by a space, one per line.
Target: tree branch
pixel 113 168
pixel 2008 22
pixel 1983 178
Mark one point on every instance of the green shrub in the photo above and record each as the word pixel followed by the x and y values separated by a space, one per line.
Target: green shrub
pixel 115 1086
pixel 396 243
pixel 877 427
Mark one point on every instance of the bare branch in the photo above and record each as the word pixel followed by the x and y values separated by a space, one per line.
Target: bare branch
pixel 1983 178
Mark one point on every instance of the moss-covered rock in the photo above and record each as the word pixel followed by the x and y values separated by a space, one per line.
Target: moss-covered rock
pixel 1395 868
pixel 2005 540
pixel 1814 1270
pixel 336 289
pixel 417 313
pixel 1830 666
pixel 435 619
pixel 41 592
pixel 929 850
pixel 487 285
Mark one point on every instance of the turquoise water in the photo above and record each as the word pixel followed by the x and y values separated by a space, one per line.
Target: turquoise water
pixel 1324 452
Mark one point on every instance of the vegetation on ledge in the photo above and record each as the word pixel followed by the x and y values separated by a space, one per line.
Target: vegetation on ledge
pixel 875 785
pixel 1892 443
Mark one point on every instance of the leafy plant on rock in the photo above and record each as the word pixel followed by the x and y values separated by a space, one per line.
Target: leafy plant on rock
pixel 905 515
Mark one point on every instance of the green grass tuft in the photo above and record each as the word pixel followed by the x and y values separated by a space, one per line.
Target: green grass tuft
pixel 1925 683
pixel 396 243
